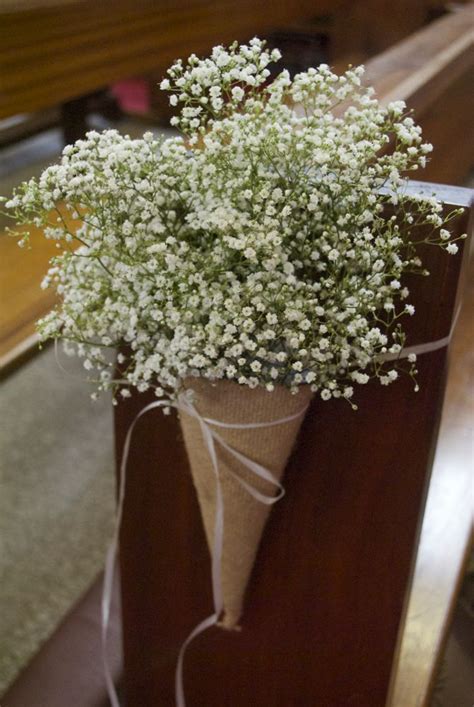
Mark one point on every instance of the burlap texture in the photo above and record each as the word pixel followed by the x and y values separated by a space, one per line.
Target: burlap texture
pixel 244 516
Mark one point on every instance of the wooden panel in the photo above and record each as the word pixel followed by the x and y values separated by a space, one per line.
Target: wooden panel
pixel 433 71
pixel 368 27
pixel 22 301
pixel 50 56
pixel 445 113
pixel 420 68
pixel 448 124
pixel 327 593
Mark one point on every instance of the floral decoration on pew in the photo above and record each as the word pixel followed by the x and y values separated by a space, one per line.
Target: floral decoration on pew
pixel 260 253
pixel 262 256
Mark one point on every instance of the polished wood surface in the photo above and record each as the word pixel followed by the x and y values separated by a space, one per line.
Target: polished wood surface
pixel 326 597
pixel 22 302
pixel 152 638
pixel 448 125
pixel 368 27
pixel 421 67
pixel 50 55
pixel 433 71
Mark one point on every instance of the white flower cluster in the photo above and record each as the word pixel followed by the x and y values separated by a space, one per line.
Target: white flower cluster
pixel 265 255
pixel 213 88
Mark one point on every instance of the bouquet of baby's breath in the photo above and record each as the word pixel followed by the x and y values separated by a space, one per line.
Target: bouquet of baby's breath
pixel 262 255
pixel 254 251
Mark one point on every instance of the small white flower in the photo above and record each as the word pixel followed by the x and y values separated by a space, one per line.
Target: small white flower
pixel 237 93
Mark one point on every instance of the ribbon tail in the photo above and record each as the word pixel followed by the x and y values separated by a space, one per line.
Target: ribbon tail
pixel 216 564
pixel 200 628
pixel 109 572
pixel 106 602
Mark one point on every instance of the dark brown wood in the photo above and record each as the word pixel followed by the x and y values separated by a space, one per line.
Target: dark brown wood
pixel 447 123
pixel 433 71
pixel 444 111
pixel 446 535
pixel 74 119
pixel 327 593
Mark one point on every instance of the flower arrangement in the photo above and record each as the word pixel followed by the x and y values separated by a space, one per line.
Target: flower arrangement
pixel 259 254
pixel 263 255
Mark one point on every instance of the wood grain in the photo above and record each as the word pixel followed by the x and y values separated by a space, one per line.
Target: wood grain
pixel 22 301
pixel 445 117
pixel 421 67
pixel 51 56
pixel 447 123
pixel 339 604
pixel 433 71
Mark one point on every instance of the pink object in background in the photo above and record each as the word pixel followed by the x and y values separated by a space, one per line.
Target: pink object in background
pixel 133 95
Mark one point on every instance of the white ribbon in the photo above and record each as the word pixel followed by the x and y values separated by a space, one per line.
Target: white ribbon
pixel 419 349
pixel 210 437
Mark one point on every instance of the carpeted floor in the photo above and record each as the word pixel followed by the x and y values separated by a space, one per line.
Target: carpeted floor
pixel 56 501
pixel 56 466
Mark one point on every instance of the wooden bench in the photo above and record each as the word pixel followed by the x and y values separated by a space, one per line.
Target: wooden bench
pixel 54 52
pixel 326 619
pixel 59 52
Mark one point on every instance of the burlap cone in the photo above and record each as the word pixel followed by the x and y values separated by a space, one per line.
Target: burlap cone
pixel 244 516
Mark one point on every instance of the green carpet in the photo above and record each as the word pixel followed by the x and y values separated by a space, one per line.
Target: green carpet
pixel 56 500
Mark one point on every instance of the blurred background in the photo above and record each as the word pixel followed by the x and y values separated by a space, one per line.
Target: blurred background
pixel 67 66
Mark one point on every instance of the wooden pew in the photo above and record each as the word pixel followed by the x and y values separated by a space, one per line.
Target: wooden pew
pixel 53 51
pixel 58 52
pixel 446 532
pixel 433 71
pixel 329 617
